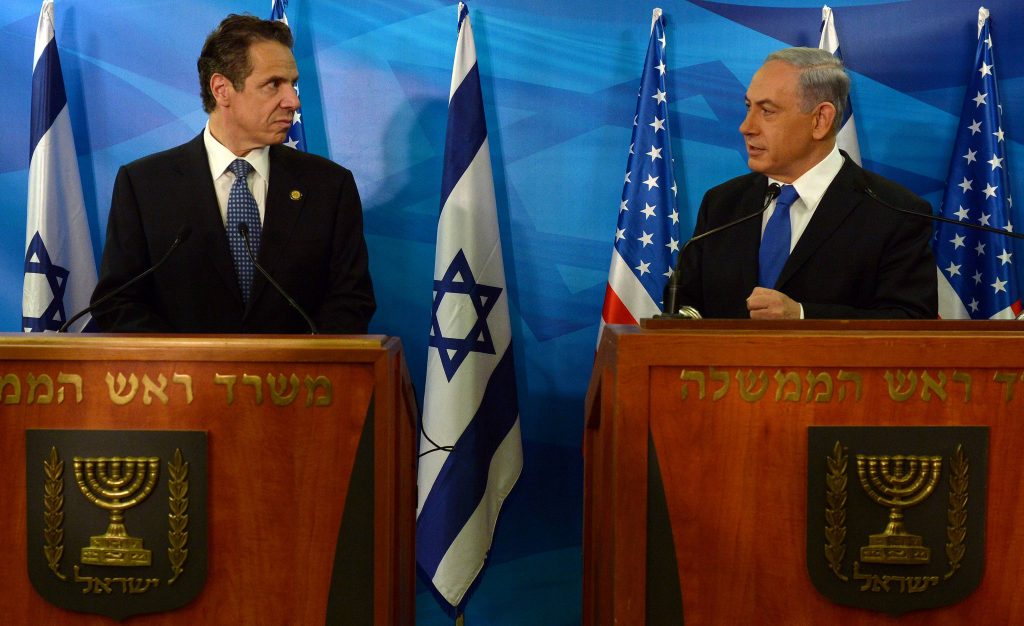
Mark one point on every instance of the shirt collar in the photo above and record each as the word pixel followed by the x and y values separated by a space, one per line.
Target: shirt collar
pixel 220 158
pixel 814 182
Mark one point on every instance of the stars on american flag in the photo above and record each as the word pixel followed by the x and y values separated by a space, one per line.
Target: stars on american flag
pixel 982 281
pixel 647 239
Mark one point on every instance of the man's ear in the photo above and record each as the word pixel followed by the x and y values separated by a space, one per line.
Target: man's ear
pixel 222 89
pixel 824 115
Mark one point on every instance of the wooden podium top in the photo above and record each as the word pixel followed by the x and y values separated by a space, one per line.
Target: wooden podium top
pixel 352 348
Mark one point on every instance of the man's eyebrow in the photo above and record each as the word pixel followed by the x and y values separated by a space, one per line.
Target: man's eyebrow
pixel 280 78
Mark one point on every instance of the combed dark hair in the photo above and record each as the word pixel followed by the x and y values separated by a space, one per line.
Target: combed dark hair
pixel 822 78
pixel 226 51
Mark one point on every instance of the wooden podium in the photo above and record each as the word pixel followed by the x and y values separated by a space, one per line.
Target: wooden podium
pixel 306 511
pixel 698 480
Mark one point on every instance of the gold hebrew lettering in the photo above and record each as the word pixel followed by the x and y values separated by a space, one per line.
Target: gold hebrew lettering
pixel 823 379
pixel 858 576
pixel 690 375
pixel 256 383
pixel 746 384
pixel 126 388
pixel 14 396
pixel 897 391
pixel 321 382
pixel 723 378
pixel 33 383
pixel 184 380
pixel 228 380
pixel 849 377
pixel 917 584
pixel 930 385
pixel 150 389
pixel 141 585
pixel 1007 378
pixel 967 381
pixel 780 390
pixel 69 379
pixel 277 389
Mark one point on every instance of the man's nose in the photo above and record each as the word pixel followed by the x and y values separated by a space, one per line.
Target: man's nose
pixel 291 98
pixel 747 126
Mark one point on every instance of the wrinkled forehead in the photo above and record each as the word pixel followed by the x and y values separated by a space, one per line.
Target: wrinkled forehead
pixel 775 81
pixel 272 59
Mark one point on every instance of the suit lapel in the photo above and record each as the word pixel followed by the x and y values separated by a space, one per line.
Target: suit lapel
pixel 199 203
pixel 748 235
pixel 286 196
pixel 839 201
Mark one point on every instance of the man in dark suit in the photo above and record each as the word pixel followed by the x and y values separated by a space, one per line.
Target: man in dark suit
pixel 825 248
pixel 302 212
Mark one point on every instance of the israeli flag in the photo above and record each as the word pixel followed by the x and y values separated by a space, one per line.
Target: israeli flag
pixel 60 270
pixel 470 446
pixel 847 137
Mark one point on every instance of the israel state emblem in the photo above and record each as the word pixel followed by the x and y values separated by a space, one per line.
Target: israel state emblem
pixel 896 515
pixel 116 519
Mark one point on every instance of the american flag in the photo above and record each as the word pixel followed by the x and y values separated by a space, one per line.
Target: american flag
pixel 977 278
pixel 647 235
pixel 296 134
pixel 847 138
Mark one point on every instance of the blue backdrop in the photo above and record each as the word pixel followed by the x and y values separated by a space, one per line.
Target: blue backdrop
pixel 559 81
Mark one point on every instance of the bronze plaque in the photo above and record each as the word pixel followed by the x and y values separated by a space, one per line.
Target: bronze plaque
pixel 116 519
pixel 896 515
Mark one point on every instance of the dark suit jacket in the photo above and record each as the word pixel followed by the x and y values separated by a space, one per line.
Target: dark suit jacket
pixel 312 244
pixel 856 259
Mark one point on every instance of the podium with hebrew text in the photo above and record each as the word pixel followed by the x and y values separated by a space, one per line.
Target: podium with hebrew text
pixel 741 472
pixel 206 480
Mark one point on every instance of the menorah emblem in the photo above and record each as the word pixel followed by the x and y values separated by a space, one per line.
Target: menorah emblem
pixel 897 482
pixel 116 484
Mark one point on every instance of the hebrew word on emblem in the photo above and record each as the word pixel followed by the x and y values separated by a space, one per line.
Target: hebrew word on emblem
pixel 116 484
pixel 897 482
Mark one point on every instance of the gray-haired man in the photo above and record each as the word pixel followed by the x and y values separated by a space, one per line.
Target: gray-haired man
pixel 825 248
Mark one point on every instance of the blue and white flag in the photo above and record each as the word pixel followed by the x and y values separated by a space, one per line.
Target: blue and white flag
pixel 470 446
pixel 296 134
pixel 847 138
pixel 647 233
pixel 977 276
pixel 60 269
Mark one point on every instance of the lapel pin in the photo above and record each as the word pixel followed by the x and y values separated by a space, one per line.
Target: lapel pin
pixel 296 194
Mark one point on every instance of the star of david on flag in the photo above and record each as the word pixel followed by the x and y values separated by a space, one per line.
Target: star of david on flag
pixel 977 273
pixel 297 133
pixel 847 137
pixel 647 236
pixel 60 269
pixel 470 446
pixel 453 350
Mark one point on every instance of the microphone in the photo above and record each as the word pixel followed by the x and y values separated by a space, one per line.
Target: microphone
pixel 243 229
pixel 672 308
pixel 869 192
pixel 183 234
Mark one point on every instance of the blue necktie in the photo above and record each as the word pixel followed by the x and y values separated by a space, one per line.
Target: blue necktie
pixel 775 240
pixel 242 208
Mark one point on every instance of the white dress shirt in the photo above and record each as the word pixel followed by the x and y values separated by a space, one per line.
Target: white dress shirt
pixel 221 158
pixel 811 187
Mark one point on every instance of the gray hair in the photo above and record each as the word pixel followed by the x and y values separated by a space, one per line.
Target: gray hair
pixel 822 78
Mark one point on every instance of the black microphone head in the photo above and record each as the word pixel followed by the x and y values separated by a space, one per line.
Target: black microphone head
pixel 183 233
pixel 243 229
pixel 774 190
